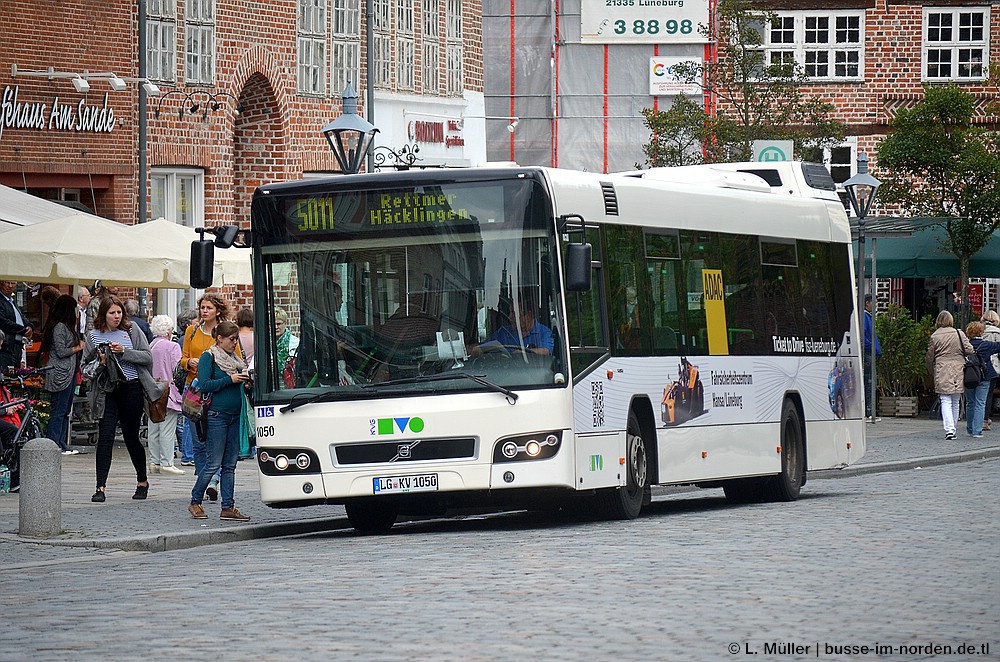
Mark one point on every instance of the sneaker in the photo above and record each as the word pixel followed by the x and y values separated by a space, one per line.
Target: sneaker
pixel 154 468
pixel 233 515
pixel 950 436
pixel 187 463
pixel 172 470
pixel 197 511
pixel 98 497
pixel 212 492
pixel 977 436
pixel 71 452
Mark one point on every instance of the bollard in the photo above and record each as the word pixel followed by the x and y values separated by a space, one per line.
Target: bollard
pixel 40 503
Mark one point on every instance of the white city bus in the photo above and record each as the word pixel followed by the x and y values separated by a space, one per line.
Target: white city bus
pixel 689 335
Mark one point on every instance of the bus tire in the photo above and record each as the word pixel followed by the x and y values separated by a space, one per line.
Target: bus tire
pixel 626 502
pixel 786 485
pixel 369 516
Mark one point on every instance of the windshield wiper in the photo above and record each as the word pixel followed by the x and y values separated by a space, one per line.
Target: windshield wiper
pixel 449 376
pixel 301 399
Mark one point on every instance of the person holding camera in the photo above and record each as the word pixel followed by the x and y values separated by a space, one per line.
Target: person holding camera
pixel 221 375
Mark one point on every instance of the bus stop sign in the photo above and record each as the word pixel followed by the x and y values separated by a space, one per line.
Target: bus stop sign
pixel 773 150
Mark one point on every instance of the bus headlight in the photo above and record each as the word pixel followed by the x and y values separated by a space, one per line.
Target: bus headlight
pixel 527 447
pixel 287 461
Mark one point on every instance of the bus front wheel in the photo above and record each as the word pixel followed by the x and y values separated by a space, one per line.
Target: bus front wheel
pixel 372 515
pixel 625 502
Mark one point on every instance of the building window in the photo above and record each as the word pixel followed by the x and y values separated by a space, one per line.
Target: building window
pixel 312 47
pixel 431 47
pixel 954 44
pixel 346 48
pixel 383 43
pixel 455 49
pixel 177 195
pixel 200 28
pixel 405 45
pixel 161 40
pixel 827 46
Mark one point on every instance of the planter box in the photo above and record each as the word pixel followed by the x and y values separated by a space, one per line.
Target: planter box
pixel 904 406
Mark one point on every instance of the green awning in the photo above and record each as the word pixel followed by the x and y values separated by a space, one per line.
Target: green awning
pixel 922 255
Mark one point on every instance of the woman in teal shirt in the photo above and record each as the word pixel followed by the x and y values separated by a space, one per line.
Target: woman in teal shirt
pixel 221 374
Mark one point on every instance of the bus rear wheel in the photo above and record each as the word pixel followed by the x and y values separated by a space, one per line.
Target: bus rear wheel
pixel 786 485
pixel 369 516
pixel 625 502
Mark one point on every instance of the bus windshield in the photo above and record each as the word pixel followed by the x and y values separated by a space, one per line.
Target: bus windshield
pixel 389 291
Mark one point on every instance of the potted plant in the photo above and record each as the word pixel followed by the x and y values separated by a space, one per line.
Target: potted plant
pixel 900 366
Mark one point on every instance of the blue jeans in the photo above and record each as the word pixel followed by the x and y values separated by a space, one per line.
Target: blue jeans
pixel 62 407
pixel 975 407
pixel 223 451
pixel 187 439
pixel 199 449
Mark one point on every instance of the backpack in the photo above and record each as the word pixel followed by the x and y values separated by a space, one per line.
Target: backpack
pixel 973 372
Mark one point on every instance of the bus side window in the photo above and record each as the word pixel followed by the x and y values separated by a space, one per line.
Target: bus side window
pixel 628 291
pixel 585 318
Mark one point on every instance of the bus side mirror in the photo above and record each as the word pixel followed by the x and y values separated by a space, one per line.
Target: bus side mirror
pixel 578 267
pixel 202 263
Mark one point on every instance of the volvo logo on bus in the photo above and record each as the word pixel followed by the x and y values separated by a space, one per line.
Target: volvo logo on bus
pixel 405 451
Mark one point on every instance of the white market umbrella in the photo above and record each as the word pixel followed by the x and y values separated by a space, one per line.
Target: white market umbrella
pixel 82 247
pixel 232 265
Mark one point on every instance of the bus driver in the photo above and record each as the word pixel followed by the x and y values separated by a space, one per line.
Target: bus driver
pixel 524 333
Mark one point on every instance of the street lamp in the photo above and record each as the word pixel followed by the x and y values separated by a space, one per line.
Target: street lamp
pixel 350 134
pixel 861 190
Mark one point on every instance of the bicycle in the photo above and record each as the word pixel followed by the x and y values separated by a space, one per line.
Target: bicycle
pixel 30 427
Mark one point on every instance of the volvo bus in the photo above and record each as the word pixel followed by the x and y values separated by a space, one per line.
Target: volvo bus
pixel 527 337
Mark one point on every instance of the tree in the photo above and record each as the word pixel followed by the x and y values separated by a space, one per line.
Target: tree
pixel 936 163
pixel 756 100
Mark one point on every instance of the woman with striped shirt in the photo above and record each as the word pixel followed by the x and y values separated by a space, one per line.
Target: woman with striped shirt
pixel 123 404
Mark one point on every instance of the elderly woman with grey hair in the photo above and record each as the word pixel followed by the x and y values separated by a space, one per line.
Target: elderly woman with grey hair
pixel 163 435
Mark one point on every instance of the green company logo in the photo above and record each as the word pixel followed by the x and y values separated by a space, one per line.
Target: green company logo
pixel 771 154
pixel 380 426
pixel 597 463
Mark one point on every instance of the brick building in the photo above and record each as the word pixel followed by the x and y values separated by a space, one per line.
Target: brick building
pixel 244 88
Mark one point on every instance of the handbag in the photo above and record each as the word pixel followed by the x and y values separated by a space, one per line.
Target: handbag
pixel 157 409
pixel 194 405
pixel 179 376
pixel 973 372
pixel 91 367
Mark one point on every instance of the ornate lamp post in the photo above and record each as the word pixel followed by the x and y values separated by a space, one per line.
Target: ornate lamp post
pixel 861 190
pixel 350 135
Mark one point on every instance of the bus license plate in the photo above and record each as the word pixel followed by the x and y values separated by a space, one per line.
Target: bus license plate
pixel 418 483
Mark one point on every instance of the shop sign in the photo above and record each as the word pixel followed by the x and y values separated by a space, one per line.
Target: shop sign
pixel 664 82
pixel 57 116
pixel 447 133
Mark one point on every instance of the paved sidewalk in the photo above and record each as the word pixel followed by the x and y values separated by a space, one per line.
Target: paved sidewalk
pixel 162 521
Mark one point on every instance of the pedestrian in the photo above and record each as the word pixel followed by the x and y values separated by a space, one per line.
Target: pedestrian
pixel 185 441
pixel 866 359
pixel 221 374
pixel 212 309
pixel 991 320
pixel 116 394
pixel 83 300
pixel 945 360
pixel 163 435
pixel 61 344
pixel 244 319
pixel 132 310
pixel 14 327
pixel 975 398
